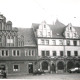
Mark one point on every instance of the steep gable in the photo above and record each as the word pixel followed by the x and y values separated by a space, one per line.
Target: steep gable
pixel 29 38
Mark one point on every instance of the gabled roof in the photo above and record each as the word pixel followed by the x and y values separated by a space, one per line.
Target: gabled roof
pixel 57 29
pixel 29 37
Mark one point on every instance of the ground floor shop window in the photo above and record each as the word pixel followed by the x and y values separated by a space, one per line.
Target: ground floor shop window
pixel 15 67
pixel 70 65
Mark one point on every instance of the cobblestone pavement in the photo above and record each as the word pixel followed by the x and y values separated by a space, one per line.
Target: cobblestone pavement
pixel 64 76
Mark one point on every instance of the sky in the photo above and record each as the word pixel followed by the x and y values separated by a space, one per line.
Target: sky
pixel 23 13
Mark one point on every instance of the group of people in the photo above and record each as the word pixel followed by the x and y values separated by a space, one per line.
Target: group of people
pixel 3 74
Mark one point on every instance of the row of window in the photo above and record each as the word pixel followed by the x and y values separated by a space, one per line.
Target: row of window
pixel 5 53
pixel 74 35
pixel 47 53
pixel 60 42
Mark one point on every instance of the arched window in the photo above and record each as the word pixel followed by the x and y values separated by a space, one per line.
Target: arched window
pixel 45 65
pixel 60 65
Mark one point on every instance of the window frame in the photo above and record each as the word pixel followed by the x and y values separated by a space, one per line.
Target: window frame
pixel 75 53
pixel 42 41
pixel 69 54
pixel 74 42
pixel 53 42
pixel 47 42
pixel 4 54
pixel 54 53
pixel 16 55
pixel 60 42
pixel 16 70
pixel 61 53
pixel 68 42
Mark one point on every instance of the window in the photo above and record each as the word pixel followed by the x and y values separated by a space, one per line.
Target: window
pixel 47 42
pixel 54 53
pixel 2 52
pixel 48 33
pixel 44 26
pixel 42 41
pixel 68 53
pixel 75 43
pixel 32 52
pixel 5 53
pixel 16 53
pixel 70 28
pixel 68 42
pixel 16 67
pixel 75 53
pixel 61 42
pixel 0 40
pixel 41 33
pixel 74 34
pixel 53 42
pixel 68 35
pixel 47 53
pixel 61 53
pixel 43 53
pixel 29 52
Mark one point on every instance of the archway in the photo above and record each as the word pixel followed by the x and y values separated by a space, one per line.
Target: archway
pixel 70 65
pixel 45 65
pixel 53 68
pixel 60 65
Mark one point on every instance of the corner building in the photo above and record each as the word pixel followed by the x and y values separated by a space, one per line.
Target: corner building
pixel 52 48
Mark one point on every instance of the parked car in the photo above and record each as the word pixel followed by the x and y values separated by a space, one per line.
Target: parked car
pixel 74 70
pixel 38 72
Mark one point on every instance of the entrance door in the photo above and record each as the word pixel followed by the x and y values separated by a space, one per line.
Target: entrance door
pixel 53 68
pixel 30 67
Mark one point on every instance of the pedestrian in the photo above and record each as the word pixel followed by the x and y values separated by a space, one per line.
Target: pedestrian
pixel 4 74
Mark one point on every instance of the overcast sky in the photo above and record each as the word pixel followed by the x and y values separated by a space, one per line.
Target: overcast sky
pixel 23 13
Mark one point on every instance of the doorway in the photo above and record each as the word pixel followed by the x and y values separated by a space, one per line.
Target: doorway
pixel 30 67
pixel 53 68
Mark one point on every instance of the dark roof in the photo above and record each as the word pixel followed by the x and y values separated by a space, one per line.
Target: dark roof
pixel 29 37
pixel 58 28
pixel 78 30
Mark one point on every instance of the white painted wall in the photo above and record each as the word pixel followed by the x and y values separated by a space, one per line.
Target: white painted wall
pixel 50 48
pixel 57 47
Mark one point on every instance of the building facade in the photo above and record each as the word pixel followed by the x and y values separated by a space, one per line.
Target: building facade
pixel 51 48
